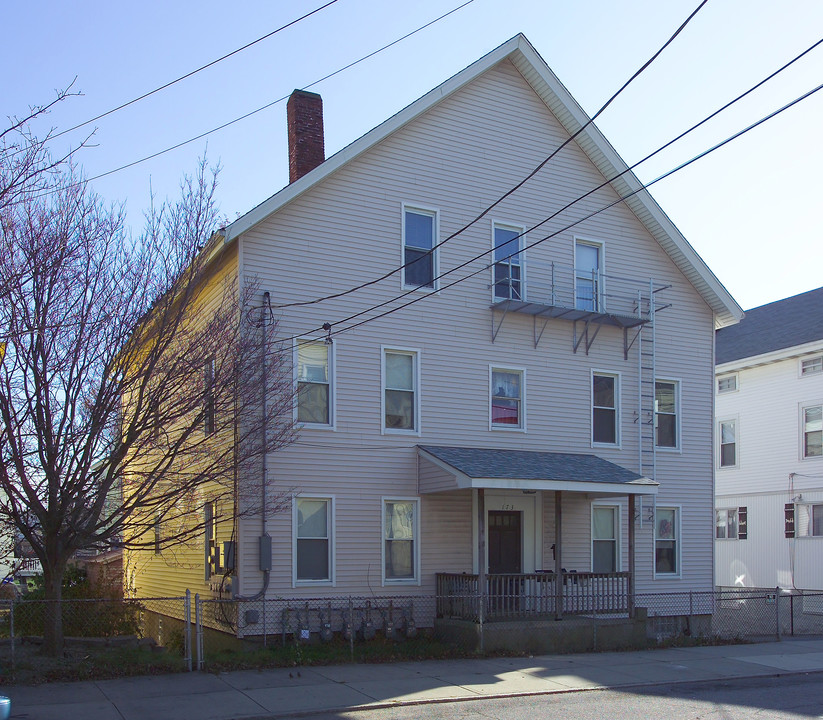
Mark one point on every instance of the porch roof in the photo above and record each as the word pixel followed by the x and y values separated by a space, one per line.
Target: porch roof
pixel 453 468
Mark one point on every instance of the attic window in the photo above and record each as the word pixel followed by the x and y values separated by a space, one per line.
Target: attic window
pixel 811 366
pixel 726 384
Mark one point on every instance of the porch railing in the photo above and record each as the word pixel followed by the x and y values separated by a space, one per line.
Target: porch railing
pixel 509 596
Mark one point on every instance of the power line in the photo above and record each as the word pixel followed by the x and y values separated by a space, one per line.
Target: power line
pixel 620 199
pixel 586 217
pixel 194 72
pixel 270 104
pixel 520 184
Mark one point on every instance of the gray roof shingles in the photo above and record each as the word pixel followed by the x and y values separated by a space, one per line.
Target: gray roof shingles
pixel 779 325
pixel 530 465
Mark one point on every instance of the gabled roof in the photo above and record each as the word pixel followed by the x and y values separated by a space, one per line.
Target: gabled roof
pixel 565 108
pixel 531 470
pixel 779 325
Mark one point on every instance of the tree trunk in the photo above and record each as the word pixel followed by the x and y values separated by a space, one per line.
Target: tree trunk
pixel 53 609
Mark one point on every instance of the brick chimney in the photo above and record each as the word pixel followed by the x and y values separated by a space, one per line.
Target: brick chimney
pixel 304 115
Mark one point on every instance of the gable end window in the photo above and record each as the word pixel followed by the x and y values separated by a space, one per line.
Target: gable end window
pixel 314 382
pixel 419 253
pixel 605 391
pixel 401 399
pixel 666 404
pixel 811 366
pixel 507 411
pixel 588 275
pixel 508 272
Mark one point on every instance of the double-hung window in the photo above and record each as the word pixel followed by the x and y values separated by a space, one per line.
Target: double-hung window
pixel 313 540
pixel 401 397
pixel 507 406
pixel 666 539
pixel 605 415
pixel 725 524
pixel 400 547
pixel 508 271
pixel 604 538
pixel 666 406
pixel 419 253
pixel 812 426
pixel 727 432
pixel 314 382
pixel 726 384
pixel 587 275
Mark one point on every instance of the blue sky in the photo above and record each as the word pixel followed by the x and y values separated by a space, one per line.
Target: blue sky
pixel 752 210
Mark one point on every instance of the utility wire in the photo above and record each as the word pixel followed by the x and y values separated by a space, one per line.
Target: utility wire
pixel 194 72
pixel 268 105
pixel 592 214
pixel 487 266
pixel 520 184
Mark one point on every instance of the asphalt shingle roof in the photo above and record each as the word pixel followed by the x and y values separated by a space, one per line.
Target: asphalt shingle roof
pixel 530 465
pixel 779 325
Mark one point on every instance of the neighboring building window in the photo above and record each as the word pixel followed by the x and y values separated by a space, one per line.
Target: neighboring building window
pixel 400 540
pixel 726 384
pixel 666 537
pixel 604 539
pixel 813 431
pixel 812 366
pixel 211 549
pixel 313 539
pixel 809 520
pixel 604 409
pixel 666 401
pixel 587 276
pixel 314 382
pixel 726 524
pixel 157 534
pixel 507 398
pixel 507 266
pixel 208 396
pixel 728 443
pixel 419 256
pixel 400 396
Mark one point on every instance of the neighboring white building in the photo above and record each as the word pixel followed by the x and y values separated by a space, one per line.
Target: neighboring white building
pixel 503 422
pixel 769 446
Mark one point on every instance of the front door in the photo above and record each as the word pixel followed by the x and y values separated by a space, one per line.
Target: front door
pixel 505 541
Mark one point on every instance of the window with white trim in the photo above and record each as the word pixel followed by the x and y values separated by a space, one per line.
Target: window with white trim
pixel 507 269
pixel 666 539
pixel 811 366
pixel 727 384
pixel 312 539
pixel 727 443
pixel 809 520
pixel 400 394
pixel 400 531
pixel 605 393
pixel 587 275
pixel 666 413
pixel 314 383
pixel 507 398
pixel 604 538
pixel 812 429
pixel 419 255
pixel 725 524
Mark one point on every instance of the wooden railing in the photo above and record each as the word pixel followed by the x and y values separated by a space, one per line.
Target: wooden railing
pixel 532 594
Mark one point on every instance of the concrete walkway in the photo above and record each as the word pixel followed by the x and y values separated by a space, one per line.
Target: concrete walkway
pixel 282 692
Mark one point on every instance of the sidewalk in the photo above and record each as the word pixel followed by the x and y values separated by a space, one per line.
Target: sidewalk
pixel 283 692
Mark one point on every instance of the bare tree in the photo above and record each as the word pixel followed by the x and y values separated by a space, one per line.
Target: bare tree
pixel 138 380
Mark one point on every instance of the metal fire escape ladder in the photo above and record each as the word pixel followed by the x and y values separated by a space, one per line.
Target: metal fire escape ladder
pixel 646 374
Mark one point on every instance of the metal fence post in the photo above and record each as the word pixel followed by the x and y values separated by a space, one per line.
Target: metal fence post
pixel 777 610
pixel 198 620
pixel 187 615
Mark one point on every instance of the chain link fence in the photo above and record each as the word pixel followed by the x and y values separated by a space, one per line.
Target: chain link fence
pixel 96 624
